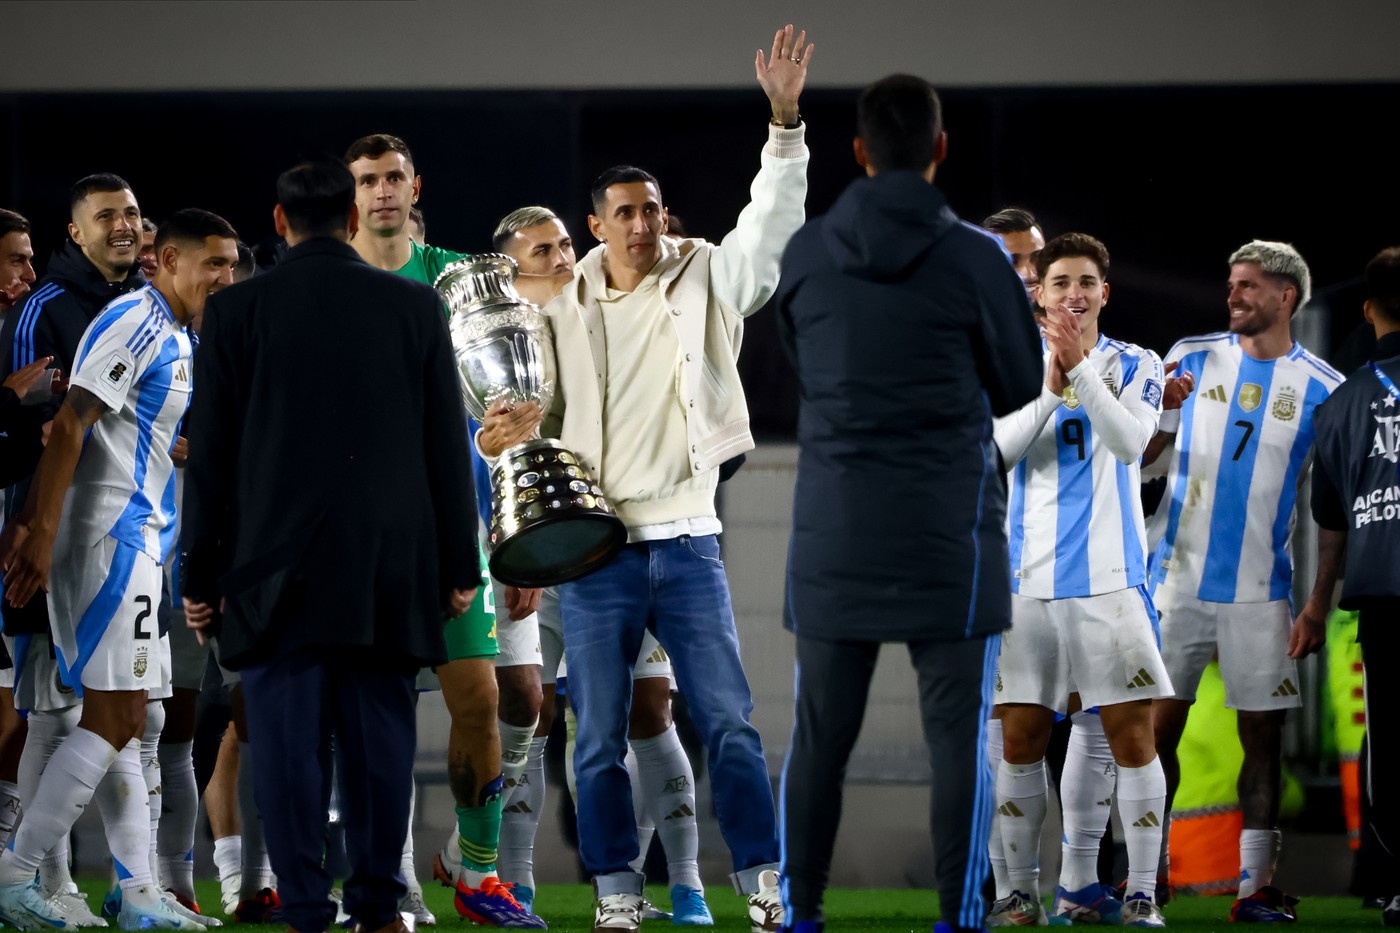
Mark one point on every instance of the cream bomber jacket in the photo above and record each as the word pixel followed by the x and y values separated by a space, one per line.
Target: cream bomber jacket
pixel 708 290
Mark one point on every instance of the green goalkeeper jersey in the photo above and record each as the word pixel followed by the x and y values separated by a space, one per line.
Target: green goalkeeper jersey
pixel 427 262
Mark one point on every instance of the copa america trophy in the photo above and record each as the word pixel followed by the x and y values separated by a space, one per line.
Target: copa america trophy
pixel 550 523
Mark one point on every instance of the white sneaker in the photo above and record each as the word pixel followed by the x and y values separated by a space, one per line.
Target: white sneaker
pixel 766 904
pixel 73 905
pixel 23 907
pixel 617 913
pixel 412 903
pixel 147 908
pixel 174 904
pixel 447 863
pixel 341 917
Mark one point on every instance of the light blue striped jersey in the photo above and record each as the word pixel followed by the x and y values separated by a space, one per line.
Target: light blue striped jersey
pixel 135 357
pixel 1243 443
pixel 1074 519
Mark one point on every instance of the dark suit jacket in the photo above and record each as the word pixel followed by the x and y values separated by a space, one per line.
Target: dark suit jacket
pixel 329 492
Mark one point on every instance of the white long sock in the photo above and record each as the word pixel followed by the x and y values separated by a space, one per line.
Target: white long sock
pixel 47 730
pixel 175 838
pixel 256 869
pixel 406 859
pixel 150 773
pixel 998 857
pixel 70 780
pixel 1259 850
pixel 515 749
pixel 1142 798
pixel 123 801
pixel 668 792
pixel 570 740
pixel 1022 798
pixel 1086 798
pixel 9 810
pixel 645 827
pixel 520 820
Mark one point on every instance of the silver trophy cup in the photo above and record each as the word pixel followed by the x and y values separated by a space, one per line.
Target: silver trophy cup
pixel 550 523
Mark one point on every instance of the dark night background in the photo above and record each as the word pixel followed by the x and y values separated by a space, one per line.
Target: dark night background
pixel 1172 179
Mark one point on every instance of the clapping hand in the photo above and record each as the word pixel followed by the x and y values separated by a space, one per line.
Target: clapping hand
pixel 1178 387
pixel 1061 330
pixel 783 75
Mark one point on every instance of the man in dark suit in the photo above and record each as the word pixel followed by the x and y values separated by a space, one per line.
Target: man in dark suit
pixel 909 331
pixel 328 536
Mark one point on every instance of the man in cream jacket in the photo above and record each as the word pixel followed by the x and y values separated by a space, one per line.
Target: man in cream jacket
pixel 646 335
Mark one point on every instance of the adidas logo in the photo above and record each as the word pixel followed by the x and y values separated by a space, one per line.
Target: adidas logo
pixel 658 656
pixel 1106 802
pixel 1009 809
pixel 1286 689
pixel 1148 821
pixel 1143 679
pixel 517 807
pixel 681 812
pixel 1216 394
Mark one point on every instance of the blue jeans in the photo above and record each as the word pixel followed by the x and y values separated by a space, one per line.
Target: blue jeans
pixel 676 588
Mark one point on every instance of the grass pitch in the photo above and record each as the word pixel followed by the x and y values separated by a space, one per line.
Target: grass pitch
pixel 569 909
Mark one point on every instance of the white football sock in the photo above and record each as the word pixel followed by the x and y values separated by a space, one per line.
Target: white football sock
pixel 570 739
pixel 645 827
pixel 123 800
pixel 9 810
pixel 668 794
pixel 520 820
pixel 55 871
pixel 998 858
pixel 256 869
pixel 406 860
pixel 1086 799
pixel 1142 798
pixel 1259 850
pixel 70 780
pixel 515 749
pixel 228 857
pixel 150 773
pixel 175 838
pixel 1022 798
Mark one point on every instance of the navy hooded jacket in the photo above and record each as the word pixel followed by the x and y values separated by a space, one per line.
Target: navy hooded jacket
pixel 909 331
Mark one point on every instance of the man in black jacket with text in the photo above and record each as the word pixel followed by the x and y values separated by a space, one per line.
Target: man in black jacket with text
pixel 909 331
pixel 1356 502
pixel 333 591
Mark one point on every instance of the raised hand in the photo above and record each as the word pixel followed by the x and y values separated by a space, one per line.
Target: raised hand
pixel 27 377
pixel 783 75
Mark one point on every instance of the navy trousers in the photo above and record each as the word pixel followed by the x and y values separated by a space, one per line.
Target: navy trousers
pixel 295 702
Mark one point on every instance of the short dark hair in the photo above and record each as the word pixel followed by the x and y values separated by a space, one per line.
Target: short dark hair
pixel 415 216
pixel 619 175
pixel 103 181
pixel 247 264
pixel 1071 246
pixel 148 225
pixel 1012 220
pixel 317 196
pixel 1383 283
pixel 376 145
pixel 12 222
pixel 192 225
pixel 900 119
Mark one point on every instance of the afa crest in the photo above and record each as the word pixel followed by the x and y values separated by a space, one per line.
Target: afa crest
pixel 1286 404
pixel 1250 396
pixel 138 667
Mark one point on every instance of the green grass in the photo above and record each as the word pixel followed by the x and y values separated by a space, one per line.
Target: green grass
pixel 569 909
